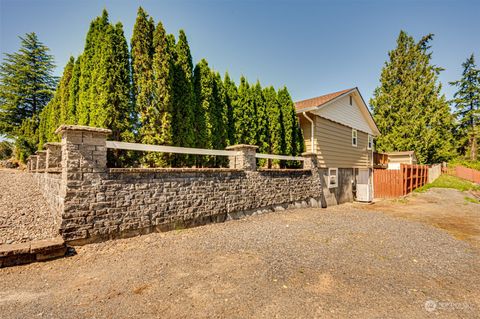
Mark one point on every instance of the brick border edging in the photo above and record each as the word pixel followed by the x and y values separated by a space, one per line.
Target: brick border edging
pixel 25 253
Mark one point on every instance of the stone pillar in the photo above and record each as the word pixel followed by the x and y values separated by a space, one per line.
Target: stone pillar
pixel 41 160
pixel 83 149
pixel 54 155
pixel 84 166
pixel 311 160
pixel 33 163
pixel 245 158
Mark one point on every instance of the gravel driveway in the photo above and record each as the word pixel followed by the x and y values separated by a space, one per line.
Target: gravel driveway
pixel 339 262
pixel 24 214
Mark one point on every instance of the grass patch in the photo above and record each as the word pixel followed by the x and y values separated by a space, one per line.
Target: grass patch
pixel 472 200
pixel 466 163
pixel 448 181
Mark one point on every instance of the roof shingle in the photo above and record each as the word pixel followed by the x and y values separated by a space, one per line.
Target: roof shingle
pixel 319 100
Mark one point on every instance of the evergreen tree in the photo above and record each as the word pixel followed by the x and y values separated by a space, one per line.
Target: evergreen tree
pixel 183 98
pixel 262 133
pixel 142 73
pixel 73 95
pixel 293 139
pixel 55 113
pixel 467 104
pixel 157 124
pixel 274 121
pixel 26 85
pixel 90 68
pixel 244 115
pixel 409 109
pixel 210 111
pixel 231 96
pixel 203 88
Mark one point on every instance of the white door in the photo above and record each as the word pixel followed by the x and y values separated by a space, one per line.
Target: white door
pixel 364 189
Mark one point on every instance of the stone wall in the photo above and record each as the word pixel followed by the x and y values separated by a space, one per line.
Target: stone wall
pixel 95 203
pixel 131 201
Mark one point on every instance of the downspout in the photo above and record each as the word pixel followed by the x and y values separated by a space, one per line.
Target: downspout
pixel 311 131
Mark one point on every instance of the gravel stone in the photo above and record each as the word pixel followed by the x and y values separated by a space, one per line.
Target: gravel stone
pixel 24 214
pixel 340 262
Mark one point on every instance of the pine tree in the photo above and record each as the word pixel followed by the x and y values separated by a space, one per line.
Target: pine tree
pixel 467 104
pixel 26 85
pixel 142 73
pixel 231 96
pixel 409 109
pixel 244 115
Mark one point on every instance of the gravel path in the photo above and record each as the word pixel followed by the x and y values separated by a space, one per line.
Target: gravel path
pixel 339 262
pixel 24 214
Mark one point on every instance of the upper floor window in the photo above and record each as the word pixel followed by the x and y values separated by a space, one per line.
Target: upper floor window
pixel 370 142
pixel 354 137
pixel 351 100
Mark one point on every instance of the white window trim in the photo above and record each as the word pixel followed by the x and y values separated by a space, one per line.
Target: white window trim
pixel 369 142
pixel 330 176
pixel 354 132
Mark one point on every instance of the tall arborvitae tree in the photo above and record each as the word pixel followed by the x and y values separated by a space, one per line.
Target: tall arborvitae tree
pixel 293 140
pixel 231 96
pixel 275 120
pixel 409 109
pixel 219 113
pixel 73 96
pixel 183 97
pixel 467 108
pixel 26 86
pixel 142 73
pixel 263 134
pixel 203 88
pixel 55 113
pixel 90 67
pixel 157 125
pixel 244 115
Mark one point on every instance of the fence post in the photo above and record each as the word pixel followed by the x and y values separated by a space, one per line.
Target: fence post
pixel 311 160
pixel 41 160
pixel 84 165
pixel 245 158
pixel 54 155
pixel 84 150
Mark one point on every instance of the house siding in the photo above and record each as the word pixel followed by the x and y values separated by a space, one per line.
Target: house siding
pixel 342 112
pixel 333 144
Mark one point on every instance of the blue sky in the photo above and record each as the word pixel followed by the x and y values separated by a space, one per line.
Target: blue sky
pixel 312 47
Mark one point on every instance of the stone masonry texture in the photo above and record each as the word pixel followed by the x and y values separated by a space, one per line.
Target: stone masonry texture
pixel 95 203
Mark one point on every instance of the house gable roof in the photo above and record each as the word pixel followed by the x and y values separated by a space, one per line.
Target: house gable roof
pixel 317 104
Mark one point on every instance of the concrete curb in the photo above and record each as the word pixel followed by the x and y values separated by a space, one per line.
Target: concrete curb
pixel 24 253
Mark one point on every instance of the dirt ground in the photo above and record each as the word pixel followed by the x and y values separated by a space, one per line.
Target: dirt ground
pixel 443 208
pixel 349 261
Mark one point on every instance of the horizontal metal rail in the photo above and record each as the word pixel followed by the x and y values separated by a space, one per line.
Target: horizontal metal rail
pixel 280 157
pixel 167 149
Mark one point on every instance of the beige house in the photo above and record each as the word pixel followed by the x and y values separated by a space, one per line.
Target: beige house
pixel 397 158
pixel 339 128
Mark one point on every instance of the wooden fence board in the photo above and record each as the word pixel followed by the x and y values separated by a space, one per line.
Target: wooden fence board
pixel 395 183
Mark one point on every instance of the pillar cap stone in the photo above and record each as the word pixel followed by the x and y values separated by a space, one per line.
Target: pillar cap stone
pixel 40 152
pixel 237 146
pixel 52 144
pixel 81 128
